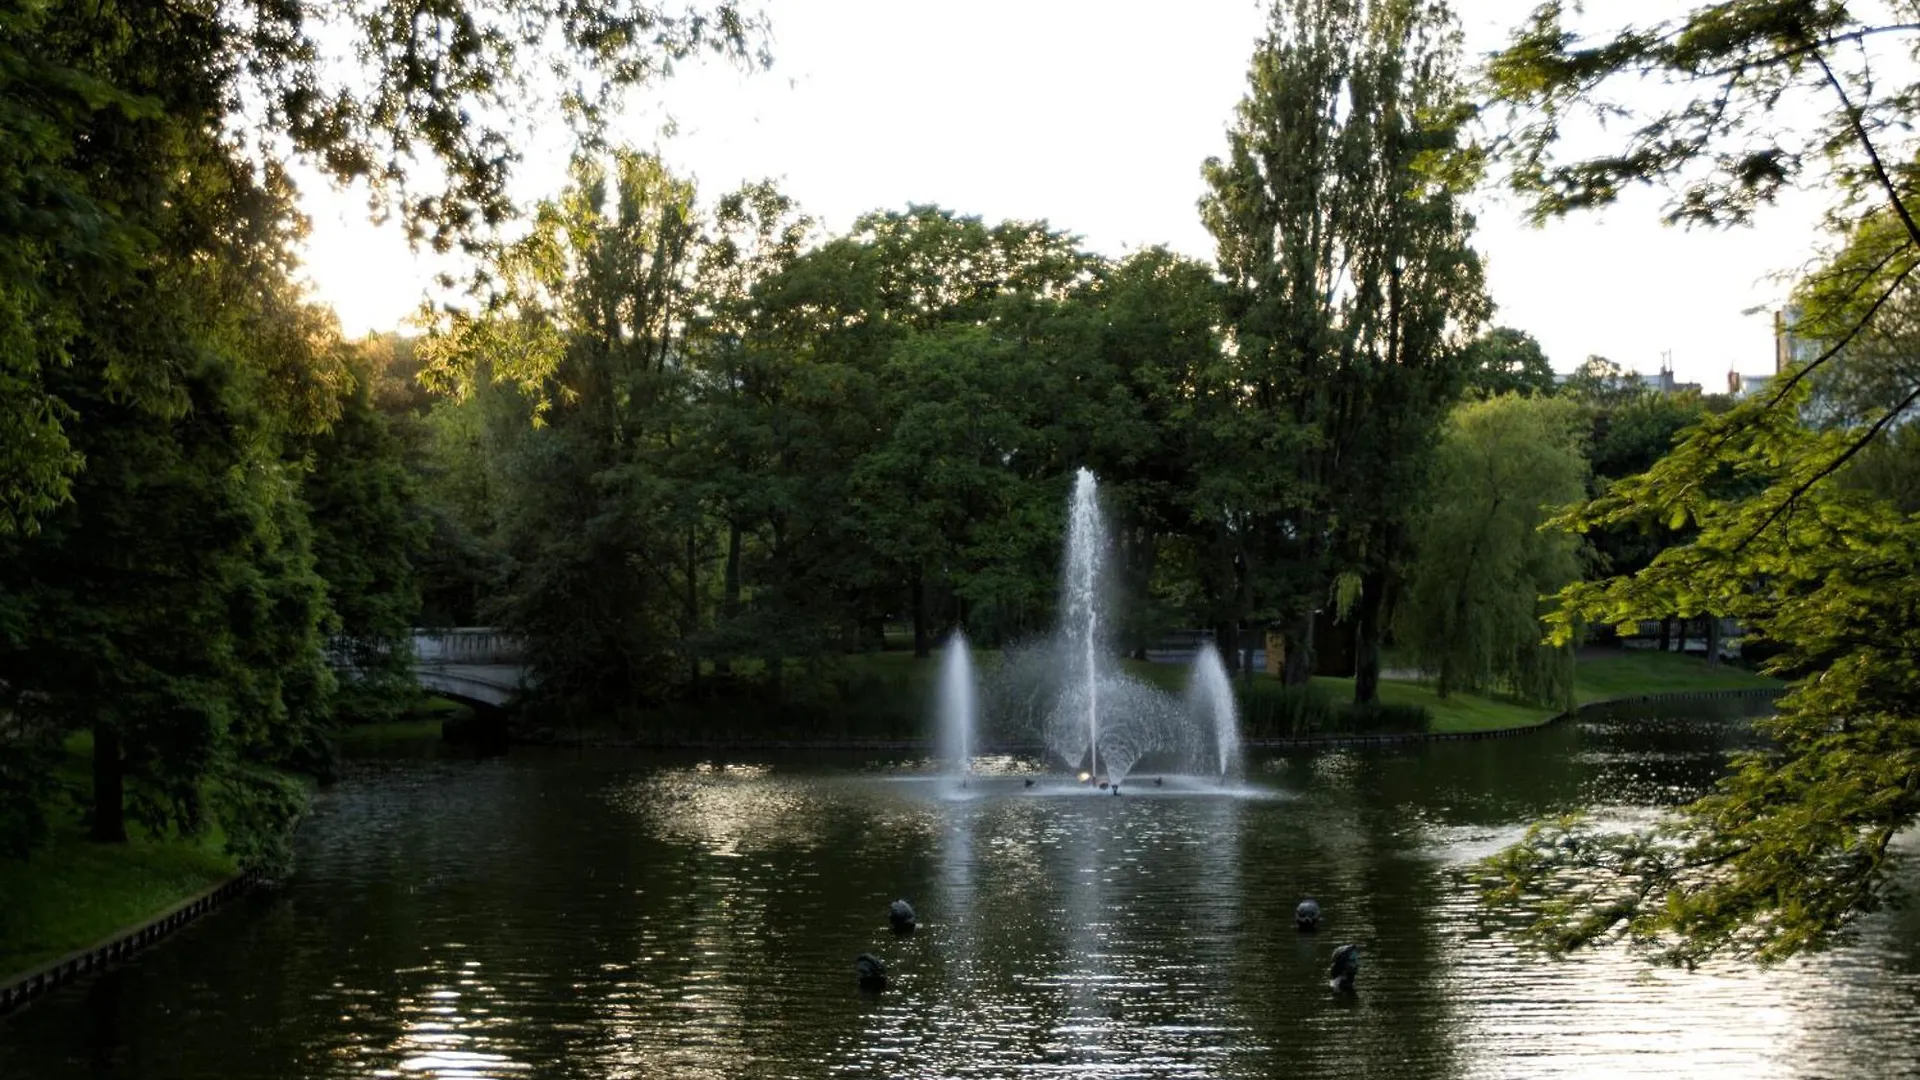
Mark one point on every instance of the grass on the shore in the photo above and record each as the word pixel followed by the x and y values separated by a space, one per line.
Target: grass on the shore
pixel 74 893
pixel 897 690
pixel 1626 672
pixel 1455 712
pixel 1597 676
pixel 421 723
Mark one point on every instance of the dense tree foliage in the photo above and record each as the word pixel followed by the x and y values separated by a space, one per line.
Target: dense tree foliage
pixel 1796 842
pixel 266 83
pixel 367 542
pixel 194 490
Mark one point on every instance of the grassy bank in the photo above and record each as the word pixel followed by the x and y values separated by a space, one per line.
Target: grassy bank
pixel 890 695
pixel 73 893
pixel 1626 672
pixel 422 723
pixel 1597 676
pixel 1455 712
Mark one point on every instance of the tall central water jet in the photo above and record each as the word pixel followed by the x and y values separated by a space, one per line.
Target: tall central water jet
pixel 1086 552
pixel 958 710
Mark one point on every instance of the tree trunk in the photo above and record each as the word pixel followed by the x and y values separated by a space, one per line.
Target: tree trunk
pixel 774 641
pixel 109 787
pixel 1246 651
pixel 730 599
pixel 1713 641
pixel 1300 650
pixel 1666 632
pixel 1366 641
pixel 776 676
pixel 922 646
pixel 693 613
pixel 1226 641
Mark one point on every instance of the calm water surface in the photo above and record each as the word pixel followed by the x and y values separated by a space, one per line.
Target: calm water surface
pixel 625 915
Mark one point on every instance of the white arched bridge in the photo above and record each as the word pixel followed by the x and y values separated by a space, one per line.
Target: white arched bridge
pixel 475 665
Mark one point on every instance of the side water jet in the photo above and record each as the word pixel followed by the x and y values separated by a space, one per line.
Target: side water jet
pixel 958 710
pixel 1210 698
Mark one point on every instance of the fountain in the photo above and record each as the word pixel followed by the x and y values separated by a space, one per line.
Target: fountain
pixel 1103 721
pixel 1097 719
pixel 1081 589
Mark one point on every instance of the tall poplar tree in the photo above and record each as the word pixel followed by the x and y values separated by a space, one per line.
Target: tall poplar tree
pixel 1352 291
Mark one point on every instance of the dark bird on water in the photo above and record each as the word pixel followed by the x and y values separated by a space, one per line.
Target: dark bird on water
pixel 1307 915
pixel 1156 781
pixel 1345 968
pixel 873 973
pixel 900 915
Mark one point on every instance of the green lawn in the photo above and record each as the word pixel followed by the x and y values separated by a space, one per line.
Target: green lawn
pixel 888 694
pixel 1626 672
pixel 1597 677
pixel 1455 712
pixel 74 893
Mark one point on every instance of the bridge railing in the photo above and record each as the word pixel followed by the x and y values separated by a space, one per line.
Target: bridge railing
pixel 467 645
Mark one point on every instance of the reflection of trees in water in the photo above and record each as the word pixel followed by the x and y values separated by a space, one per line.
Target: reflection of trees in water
pixel 1644 754
pixel 1353 842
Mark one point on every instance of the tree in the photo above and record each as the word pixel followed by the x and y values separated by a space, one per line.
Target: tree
pixel 441 83
pixel 1472 614
pixel 157 367
pixel 1507 361
pixel 61 244
pixel 1795 843
pixel 171 608
pixel 757 234
pixel 1130 383
pixel 1603 384
pixel 960 301
pixel 1629 433
pixel 1349 280
pixel 366 539
pixel 587 324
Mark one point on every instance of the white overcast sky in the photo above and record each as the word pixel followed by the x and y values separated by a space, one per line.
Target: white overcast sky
pixel 1095 115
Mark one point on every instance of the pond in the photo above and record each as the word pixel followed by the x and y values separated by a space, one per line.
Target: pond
pixel 610 914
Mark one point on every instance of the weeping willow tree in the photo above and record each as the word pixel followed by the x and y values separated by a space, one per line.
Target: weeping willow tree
pixel 1472 615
